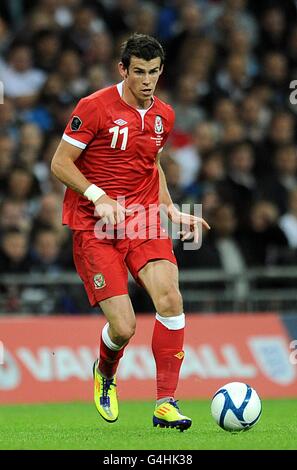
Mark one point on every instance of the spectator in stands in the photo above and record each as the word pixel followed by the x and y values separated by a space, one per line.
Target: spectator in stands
pixel 22 185
pixel 273 30
pixel 189 158
pixel 284 179
pixel 288 221
pixel 49 215
pixel 97 78
pixel 292 50
pixel 7 149
pixel 240 41
pixel 209 200
pixel 233 133
pixel 213 168
pixel 233 80
pixel 145 18
pixel 70 70
pixel 201 70
pixel 13 214
pixel 212 172
pixel 281 132
pixel 86 22
pixel 188 113
pixel 45 252
pixel 240 186
pixel 8 118
pixel 221 249
pixel 173 176
pixel 188 30
pixel 21 80
pixel 47 45
pixel 61 111
pixel 228 15
pixel 275 75
pixel 224 113
pixel 100 50
pixel 119 16
pixel 14 252
pixel 51 94
pixel 4 35
pixel 30 144
pixel 264 240
pixel 255 117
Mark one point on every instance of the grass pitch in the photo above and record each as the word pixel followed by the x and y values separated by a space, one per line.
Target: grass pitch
pixel 79 426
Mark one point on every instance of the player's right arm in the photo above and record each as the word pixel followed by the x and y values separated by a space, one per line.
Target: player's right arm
pixel 64 168
pixel 83 126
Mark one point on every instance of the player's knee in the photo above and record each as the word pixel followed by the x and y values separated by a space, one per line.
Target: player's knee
pixel 170 302
pixel 123 333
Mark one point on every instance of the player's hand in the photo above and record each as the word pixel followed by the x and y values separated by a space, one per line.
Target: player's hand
pixel 110 211
pixel 191 223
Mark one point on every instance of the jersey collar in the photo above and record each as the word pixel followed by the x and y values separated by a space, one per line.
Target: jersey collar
pixel 120 91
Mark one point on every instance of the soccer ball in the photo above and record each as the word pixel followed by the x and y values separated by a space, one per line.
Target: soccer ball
pixel 236 406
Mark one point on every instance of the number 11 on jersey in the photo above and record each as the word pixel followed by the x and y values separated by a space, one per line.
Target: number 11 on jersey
pixel 116 131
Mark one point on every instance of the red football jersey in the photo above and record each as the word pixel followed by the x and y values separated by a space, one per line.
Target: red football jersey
pixel 120 145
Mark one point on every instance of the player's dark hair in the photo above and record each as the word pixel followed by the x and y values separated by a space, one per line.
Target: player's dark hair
pixel 141 46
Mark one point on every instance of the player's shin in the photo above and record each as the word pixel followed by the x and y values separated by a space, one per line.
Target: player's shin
pixel 167 346
pixel 110 354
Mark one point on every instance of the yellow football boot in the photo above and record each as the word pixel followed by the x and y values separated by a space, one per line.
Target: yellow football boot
pixel 105 396
pixel 167 415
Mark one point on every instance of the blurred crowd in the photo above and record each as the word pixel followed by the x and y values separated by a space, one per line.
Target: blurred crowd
pixel 229 66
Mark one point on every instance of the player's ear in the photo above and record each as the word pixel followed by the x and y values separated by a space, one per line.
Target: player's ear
pixel 161 69
pixel 123 71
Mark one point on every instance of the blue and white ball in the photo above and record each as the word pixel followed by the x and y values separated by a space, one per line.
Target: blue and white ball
pixel 236 407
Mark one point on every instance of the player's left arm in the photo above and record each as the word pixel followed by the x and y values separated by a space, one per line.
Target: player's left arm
pixel 190 222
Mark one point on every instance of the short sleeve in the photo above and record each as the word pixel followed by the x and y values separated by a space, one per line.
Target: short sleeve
pixel 83 124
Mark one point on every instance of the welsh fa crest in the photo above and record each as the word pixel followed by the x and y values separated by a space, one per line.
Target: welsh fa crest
pixel 159 125
pixel 99 281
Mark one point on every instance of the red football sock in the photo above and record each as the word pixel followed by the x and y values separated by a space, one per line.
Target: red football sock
pixel 109 360
pixel 167 346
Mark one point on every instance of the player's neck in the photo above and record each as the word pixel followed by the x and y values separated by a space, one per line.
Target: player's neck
pixel 132 100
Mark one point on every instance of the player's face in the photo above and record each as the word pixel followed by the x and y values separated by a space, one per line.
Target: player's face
pixel 142 76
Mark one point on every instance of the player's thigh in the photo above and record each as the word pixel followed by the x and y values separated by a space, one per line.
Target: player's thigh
pixel 159 276
pixel 120 315
pixel 153 265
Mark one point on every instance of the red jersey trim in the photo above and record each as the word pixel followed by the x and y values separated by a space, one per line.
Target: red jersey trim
pixel 74 142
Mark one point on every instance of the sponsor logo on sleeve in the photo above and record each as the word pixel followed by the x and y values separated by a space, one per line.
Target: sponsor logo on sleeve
pixel 75 123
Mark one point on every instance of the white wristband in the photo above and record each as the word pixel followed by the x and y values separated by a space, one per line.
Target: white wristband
pixel 93 193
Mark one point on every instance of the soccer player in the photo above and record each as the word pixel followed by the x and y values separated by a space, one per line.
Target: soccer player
pixel 109 159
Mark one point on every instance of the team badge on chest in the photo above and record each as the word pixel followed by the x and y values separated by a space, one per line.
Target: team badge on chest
pixel 159 125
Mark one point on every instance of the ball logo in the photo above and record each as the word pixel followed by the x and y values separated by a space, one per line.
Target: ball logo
pixel 159 125
pixel 99 281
